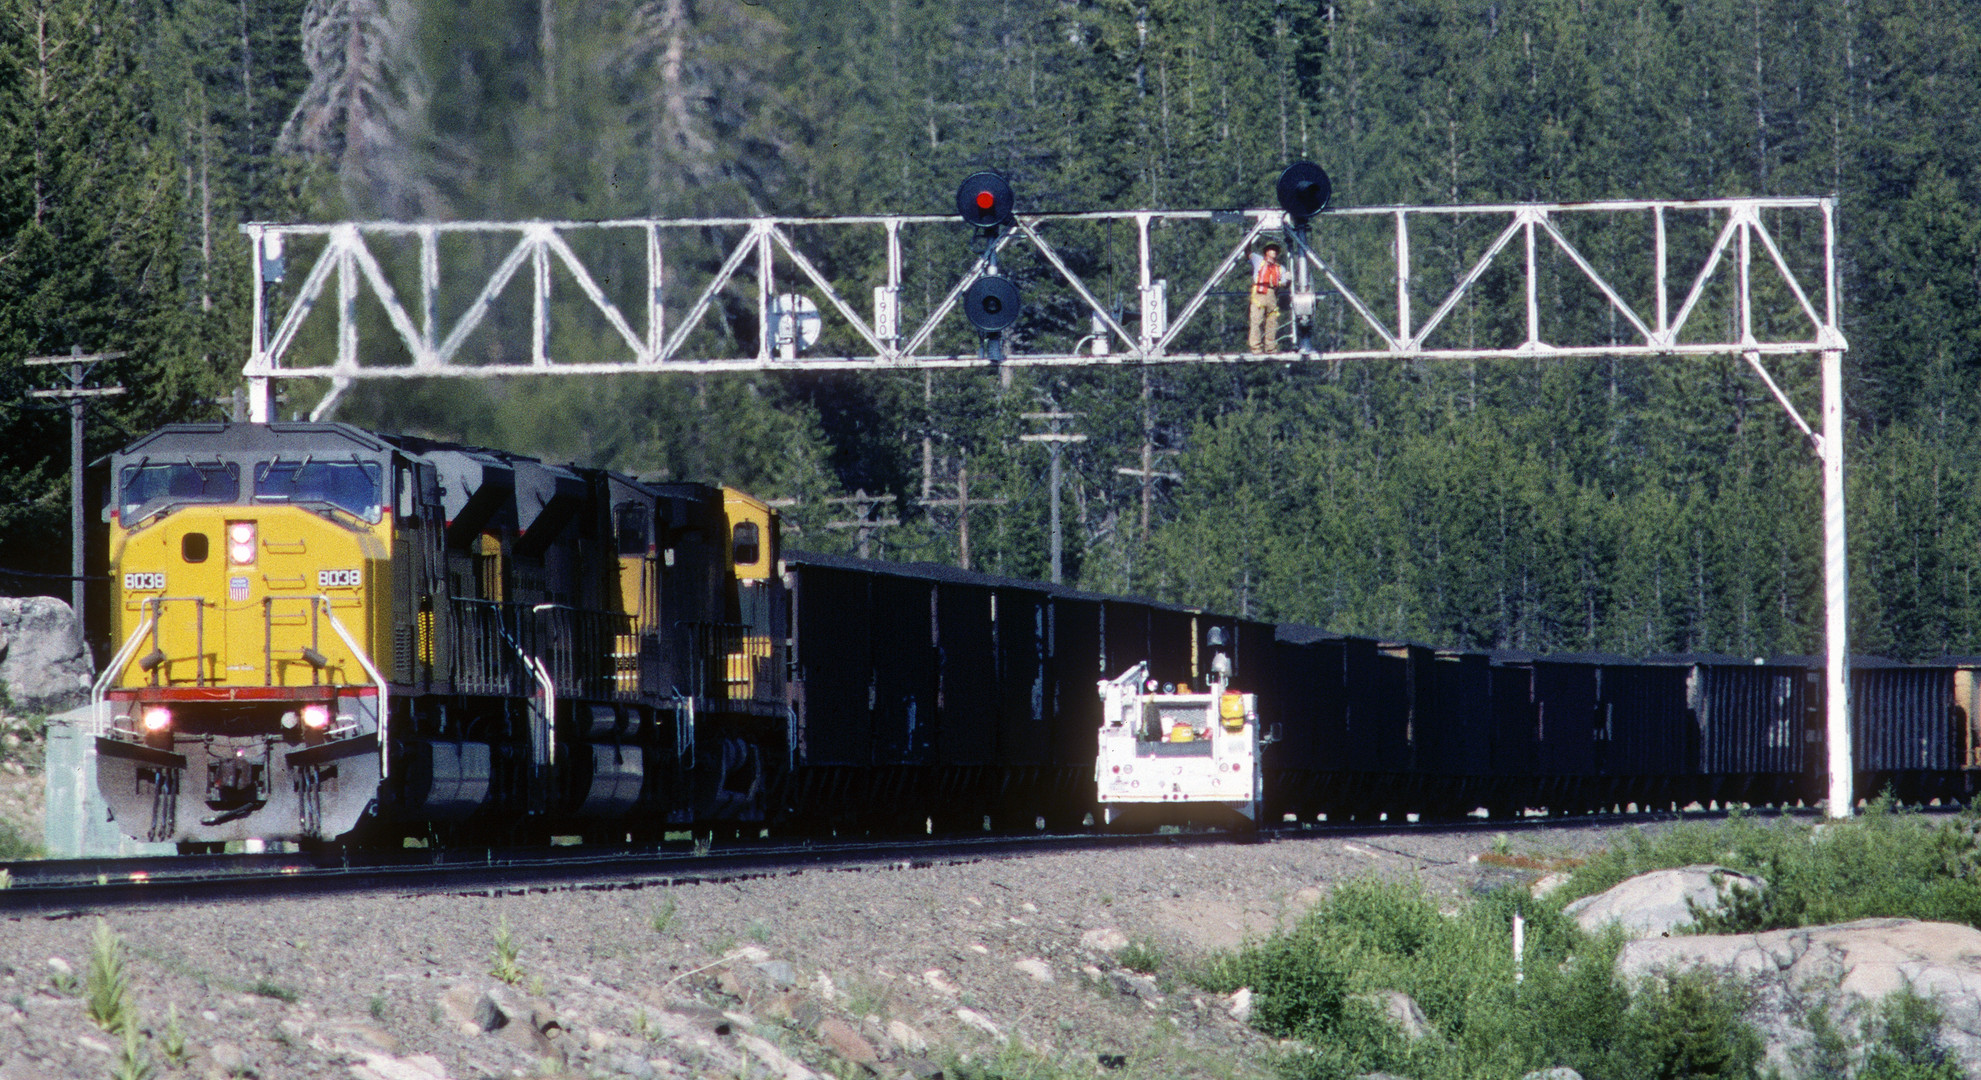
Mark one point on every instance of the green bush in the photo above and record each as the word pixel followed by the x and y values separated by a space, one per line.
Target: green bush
pixel 1883 863
pixel 1904 1042
pixel 1320 983
pixel 1687 1025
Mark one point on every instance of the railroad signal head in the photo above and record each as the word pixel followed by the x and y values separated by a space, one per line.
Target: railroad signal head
pixel 991 303
pixel 984 200
pixel 1303 190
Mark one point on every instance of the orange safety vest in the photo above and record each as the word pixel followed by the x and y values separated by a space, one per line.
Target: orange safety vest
pixel 1267 279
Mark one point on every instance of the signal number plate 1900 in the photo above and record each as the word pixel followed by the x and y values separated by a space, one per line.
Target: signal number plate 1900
pixel 338 579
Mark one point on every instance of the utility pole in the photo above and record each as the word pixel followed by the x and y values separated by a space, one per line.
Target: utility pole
pixel 928 432
pixel 863 525
pixel 1148 471
pixel 75 394
pixel 962 502
pixel 1149 474
pixel 1055 440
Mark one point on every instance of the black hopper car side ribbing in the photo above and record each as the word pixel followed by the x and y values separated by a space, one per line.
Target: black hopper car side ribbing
pixel 924 691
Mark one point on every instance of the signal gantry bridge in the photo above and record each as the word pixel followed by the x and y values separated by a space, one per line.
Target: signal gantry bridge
pixel 1753 278
pixel 1746 277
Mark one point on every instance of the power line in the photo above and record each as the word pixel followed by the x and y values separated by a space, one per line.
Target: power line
pixel 76 394
pixel 863 526
pixel 1055 440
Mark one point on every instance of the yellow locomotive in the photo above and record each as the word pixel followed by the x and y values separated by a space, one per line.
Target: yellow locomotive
pixel 321 630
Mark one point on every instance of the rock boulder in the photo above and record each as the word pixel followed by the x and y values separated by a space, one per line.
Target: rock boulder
pixel 1844 968
pixel 1402 1010
pixel 1656 904
pixel 43 663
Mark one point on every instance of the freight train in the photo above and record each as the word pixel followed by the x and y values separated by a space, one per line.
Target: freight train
pixel 326 635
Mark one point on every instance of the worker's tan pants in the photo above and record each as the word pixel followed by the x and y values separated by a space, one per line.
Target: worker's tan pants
pixel 1264 335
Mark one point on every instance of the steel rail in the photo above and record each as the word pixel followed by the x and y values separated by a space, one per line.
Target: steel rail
pixel 55 887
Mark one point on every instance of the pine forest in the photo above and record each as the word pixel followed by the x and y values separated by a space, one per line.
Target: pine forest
pixel 1633 507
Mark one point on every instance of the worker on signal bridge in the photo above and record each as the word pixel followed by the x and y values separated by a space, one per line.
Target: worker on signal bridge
pixel 1267 278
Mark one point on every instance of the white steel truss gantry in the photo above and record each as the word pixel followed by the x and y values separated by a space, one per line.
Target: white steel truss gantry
pixel 1752 278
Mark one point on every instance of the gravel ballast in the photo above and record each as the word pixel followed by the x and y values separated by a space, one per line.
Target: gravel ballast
pixel 887 972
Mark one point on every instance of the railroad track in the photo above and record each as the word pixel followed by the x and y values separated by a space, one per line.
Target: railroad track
pixel 54 888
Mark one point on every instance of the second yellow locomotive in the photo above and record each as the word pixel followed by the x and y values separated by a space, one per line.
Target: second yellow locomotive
pixel 322 631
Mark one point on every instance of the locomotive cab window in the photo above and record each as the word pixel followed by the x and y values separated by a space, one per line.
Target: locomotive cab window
pixel 632 529
pixel 747 549
pixel 152 484
pixel 355 487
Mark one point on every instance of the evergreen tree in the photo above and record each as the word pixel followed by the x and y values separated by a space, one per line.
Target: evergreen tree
pixel 91 248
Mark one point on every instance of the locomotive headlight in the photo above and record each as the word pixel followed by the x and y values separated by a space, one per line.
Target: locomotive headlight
pixel 240 542
pixel 157 718
pixel 316 717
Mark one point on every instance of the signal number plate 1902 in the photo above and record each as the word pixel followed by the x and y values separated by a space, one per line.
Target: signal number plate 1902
pixel 339 579
pixel 144 582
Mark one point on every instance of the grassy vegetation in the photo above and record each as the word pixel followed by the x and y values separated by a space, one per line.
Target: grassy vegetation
pixel 19 840
pixel 107 988
pixel 504 964
pixel 1323 983
pixel 108 1003
pixel 172 1042
pixel 15 843
pixel 663 915
pixel 274 991
pixel 1142 955
pixel 1884 863
pixel 1160 1056
pixel 132 1062
pixel 1318 984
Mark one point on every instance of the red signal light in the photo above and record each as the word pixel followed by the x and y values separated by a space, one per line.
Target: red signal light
pixel 984 200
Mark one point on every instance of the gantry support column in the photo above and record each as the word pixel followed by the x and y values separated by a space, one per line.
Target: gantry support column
pixel 1836 591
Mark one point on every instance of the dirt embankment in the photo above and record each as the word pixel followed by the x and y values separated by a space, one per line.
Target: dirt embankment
pixel 883 972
